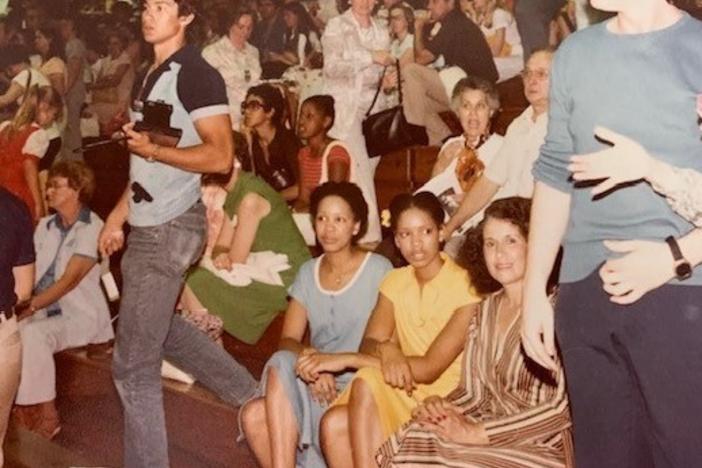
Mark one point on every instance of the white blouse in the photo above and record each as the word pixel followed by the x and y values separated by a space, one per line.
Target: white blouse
pixel 350 74
pixel 240 70
pixel 37 143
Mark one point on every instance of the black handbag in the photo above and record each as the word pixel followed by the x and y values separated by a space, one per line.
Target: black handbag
pixel 387 131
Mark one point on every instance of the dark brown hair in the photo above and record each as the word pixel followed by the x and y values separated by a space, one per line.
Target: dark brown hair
pixel 351 194
pixel 515 210
pixel 424 201
pixel 324 103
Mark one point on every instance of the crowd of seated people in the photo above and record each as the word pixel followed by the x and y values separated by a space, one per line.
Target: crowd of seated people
pixel 50 65
pixel 411 366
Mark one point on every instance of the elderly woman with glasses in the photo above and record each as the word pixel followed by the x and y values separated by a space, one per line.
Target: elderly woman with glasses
pixel 67 309
pixel 509 172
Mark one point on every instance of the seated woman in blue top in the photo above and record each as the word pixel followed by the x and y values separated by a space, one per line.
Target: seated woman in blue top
pixel 333 296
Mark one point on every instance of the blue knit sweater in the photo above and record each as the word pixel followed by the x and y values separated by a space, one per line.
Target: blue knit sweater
pixel 643 86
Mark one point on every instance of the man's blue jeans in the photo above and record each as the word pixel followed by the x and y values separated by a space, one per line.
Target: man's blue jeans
pixel 153 268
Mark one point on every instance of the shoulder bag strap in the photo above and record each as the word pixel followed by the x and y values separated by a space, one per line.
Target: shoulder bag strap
pixel 377 92
pixel 380 85
pixel 399 81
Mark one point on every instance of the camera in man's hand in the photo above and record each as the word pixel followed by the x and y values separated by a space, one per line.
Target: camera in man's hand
pixel 156 122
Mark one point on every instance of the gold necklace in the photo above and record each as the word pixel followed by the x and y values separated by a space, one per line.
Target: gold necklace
pixel 338 278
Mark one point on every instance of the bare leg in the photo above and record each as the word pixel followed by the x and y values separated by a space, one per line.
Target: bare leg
pixel 255 428
pixel 282 426
pixel 364 425
pixel 334 435
pixel 189 301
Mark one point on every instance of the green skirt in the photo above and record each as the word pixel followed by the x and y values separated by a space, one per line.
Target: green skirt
pixel 247 310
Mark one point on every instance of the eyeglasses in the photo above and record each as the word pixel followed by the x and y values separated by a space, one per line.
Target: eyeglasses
pixel 52 184
pixel 539 74
pixel 251 105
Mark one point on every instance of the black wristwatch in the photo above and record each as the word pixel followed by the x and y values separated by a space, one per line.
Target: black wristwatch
pixel 683 269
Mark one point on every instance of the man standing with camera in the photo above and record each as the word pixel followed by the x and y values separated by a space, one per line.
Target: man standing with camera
pixel 162 205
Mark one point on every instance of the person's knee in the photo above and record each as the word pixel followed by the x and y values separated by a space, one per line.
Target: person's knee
pixel 411 72
pixel 332 427
pixel 361 396
pixel 253 416
pixel 281 365
pixel 282 360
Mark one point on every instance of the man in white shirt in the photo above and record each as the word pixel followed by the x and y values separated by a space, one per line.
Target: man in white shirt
pixel 509 173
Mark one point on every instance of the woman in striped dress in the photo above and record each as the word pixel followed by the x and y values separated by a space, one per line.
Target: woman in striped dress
pixel 508 411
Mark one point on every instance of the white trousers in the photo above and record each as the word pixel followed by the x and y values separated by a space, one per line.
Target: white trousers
pixel 365 173
pixel 41 338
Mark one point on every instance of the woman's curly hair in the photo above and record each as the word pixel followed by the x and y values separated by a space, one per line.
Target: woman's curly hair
pixel 515 210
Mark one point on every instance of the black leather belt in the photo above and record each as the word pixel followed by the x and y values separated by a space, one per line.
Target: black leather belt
pixel 7 314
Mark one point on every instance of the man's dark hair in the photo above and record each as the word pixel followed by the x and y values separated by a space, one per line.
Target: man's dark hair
pixel 187 7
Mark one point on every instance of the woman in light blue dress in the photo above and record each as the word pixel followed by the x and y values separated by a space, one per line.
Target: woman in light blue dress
pixel 332 297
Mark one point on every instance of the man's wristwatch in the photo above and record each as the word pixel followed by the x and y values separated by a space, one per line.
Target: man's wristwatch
pixel 683 269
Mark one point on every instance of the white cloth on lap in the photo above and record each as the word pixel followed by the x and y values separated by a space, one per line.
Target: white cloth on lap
pixel 264 267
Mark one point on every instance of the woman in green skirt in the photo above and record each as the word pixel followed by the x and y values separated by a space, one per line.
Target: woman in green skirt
pixel 245 277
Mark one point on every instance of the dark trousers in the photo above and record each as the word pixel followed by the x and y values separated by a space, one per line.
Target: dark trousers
pixel 634 375
pixel 533 21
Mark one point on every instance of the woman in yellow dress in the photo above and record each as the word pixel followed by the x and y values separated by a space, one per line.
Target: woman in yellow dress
pixel 413 342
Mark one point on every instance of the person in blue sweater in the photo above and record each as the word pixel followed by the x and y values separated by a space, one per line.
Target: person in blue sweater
pixel 628 315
